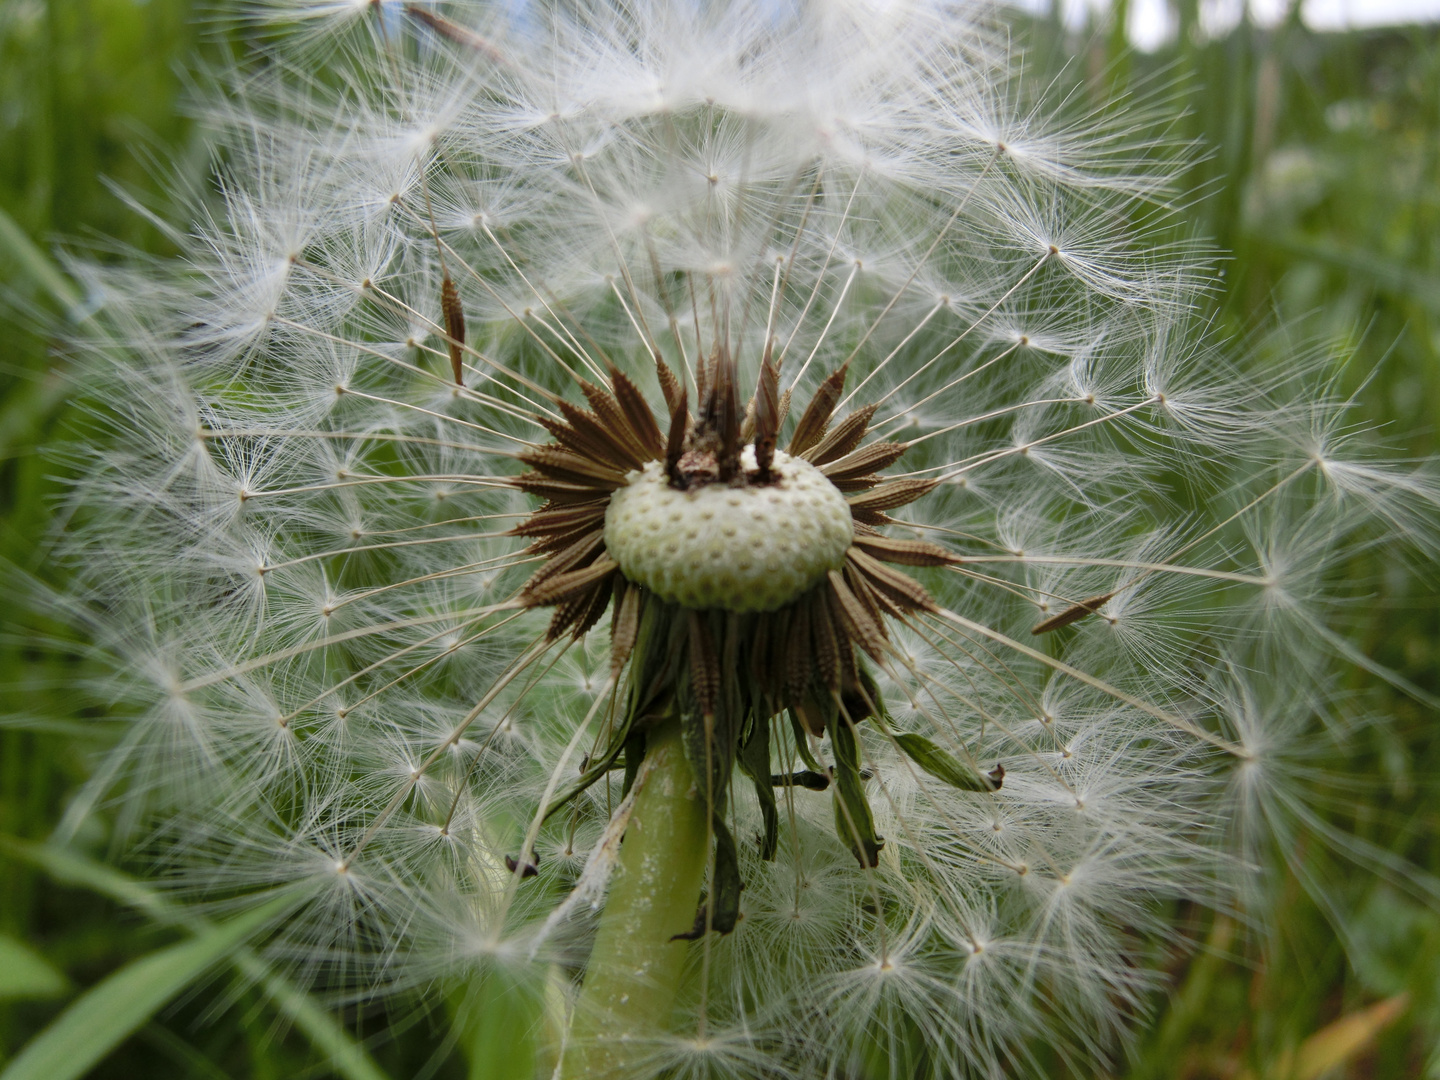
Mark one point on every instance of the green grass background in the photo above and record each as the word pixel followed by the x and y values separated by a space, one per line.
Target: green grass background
pixel 1321 182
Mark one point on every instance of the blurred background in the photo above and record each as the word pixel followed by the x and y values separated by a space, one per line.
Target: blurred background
pixel 1320 181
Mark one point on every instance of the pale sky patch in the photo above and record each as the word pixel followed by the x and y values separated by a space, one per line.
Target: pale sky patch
pixel 1153 24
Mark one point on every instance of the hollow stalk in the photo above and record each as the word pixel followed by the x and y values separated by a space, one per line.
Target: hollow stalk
pixel 633 978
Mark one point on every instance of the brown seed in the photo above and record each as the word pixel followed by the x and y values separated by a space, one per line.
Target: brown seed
pixel 563 586
pixel 454 31
pixel 867 632
pixel 577 554
pixel 868 459
pixel 816 416
pixel 1074 613
pixel 670 384
pixel 704 665
pixel 454 324
pixel 901 589
pixel 675 443
pixel 767 414
pixel 626 625
pixel 637 411
pixel 905 552
pixel 575 468
pixel 894 493
pixel 843 438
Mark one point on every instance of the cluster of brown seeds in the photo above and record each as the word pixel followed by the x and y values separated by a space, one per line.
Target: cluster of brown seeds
pixel 596 450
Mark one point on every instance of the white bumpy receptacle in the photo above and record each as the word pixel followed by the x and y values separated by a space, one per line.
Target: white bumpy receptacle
pixel 751 548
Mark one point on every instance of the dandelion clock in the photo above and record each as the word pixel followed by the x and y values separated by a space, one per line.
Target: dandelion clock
pixel 680 509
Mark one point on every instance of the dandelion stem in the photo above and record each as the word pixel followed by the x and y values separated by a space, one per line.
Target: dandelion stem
pixel 632 979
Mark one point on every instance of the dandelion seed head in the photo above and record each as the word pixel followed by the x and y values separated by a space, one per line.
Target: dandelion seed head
pixel 400 482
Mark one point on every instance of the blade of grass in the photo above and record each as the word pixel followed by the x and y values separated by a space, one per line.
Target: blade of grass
pixel 24 973
pixel 34 264
pixel 29 407
pixel 1386 274
pixel 500 1021
pixel 197 1066
pixel 1187 1006
pixel 27 411
pixel 102 1017
pixel 1337 1042
pixel 346 1056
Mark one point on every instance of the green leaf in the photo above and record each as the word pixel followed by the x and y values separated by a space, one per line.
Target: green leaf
pixel 31 405
pixel 634 755
pixel 34 264
pixel 27 410
pixel 596 769
pixel 102 1017
pixel 711 740
pixel 24 973
pixel 501 1022
pixel 802 744
pixel 755 763
pixel 346 1056
pixel 725 885
pixel 1387 274
pixel 943 765
pixel 70 868
pixel 854 822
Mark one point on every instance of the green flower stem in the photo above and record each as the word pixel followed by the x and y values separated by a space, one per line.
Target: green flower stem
pixel 633 978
